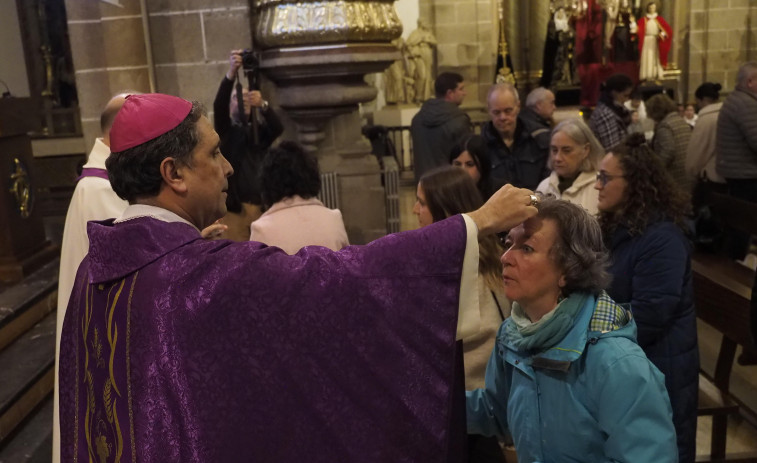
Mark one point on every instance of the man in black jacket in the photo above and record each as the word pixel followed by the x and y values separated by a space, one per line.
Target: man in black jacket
pixel 237 140
pixel 439 124
pixel 517 152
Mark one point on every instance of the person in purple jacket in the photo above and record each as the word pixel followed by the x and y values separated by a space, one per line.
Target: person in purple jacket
pixel 175 348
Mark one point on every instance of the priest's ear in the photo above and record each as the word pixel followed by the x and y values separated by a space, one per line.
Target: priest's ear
pixel 172 174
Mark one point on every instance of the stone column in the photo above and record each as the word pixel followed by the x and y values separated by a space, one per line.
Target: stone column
pixel 526 24
pixel 110 55
pixel 318 52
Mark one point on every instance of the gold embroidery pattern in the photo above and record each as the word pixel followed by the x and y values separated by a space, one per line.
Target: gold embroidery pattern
pixel 102 429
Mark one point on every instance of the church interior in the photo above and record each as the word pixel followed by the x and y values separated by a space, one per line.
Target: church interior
pixel 334 72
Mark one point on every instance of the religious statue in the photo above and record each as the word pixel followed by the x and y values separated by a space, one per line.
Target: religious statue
pixel 655 39
pixel 394 77
pixel 21 189
pixel 420 47
pixel 559 66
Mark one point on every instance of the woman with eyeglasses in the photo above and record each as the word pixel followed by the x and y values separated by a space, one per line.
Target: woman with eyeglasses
pixel 574 155
pixel 642 214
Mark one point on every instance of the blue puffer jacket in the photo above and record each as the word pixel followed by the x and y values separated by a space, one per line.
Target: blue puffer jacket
pixel 652 272
pixel 591 397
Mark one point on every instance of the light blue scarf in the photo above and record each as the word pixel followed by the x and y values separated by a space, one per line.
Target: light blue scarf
pixel 548 331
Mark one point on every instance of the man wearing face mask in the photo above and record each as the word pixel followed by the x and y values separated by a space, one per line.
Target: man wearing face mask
pixel 238 142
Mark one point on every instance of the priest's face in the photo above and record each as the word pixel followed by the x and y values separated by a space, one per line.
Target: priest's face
pixel 206 178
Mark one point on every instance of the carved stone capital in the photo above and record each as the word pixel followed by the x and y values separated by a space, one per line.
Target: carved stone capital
pixel 283 23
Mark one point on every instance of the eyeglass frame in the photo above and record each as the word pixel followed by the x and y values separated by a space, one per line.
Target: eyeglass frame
pixel 604 177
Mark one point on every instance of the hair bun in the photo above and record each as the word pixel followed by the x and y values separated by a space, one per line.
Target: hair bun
pixel 635 140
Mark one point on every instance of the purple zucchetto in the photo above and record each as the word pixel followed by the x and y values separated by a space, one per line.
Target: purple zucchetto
pixel 145 117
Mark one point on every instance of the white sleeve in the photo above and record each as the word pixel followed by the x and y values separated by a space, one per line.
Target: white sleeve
pixel 469 315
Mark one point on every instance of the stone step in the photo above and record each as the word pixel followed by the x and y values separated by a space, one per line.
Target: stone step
pixel 32 442
pixel 27 302
pixel 28 368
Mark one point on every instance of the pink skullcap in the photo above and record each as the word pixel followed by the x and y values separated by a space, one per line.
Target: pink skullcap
pixel 145 117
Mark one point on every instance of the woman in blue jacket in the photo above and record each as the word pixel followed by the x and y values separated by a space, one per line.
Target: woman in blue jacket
pixel 642 218
pixel 566 378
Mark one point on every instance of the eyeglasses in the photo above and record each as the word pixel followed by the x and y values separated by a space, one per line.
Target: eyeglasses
pixel 604 177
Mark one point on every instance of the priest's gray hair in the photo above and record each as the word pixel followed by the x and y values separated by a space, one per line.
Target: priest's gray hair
pixel 135 173
pixel 579 250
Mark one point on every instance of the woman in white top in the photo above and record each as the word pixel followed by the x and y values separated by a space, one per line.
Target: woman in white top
pixel 574 154
pixel 442 193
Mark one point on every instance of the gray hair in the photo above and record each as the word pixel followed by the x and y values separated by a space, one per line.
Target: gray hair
pixel 503 87
pixel 579 132
pixel 745 72
pixel 536 96
pixel 579 250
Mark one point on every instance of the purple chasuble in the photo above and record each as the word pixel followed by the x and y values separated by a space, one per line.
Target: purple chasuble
pixel 93 172
pixel 177 349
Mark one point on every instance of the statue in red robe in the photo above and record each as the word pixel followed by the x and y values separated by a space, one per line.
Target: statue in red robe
pixel 655 39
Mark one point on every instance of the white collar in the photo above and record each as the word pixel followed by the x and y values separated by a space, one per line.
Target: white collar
pixel 651 15
pixel 143 210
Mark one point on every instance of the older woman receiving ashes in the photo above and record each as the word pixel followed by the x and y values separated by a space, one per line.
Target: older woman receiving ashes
pixel 566 377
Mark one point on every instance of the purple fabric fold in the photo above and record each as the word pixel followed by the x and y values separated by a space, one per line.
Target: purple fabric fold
pixel 179 349
pixel 93 172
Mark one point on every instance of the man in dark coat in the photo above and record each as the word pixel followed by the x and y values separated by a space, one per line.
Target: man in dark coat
pixel 736 148
pixel 439 124
pixel 518 156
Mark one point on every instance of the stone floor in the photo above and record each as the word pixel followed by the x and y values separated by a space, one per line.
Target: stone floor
pixel 742 436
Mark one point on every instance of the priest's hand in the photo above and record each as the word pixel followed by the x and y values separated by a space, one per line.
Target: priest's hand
pixel 507 208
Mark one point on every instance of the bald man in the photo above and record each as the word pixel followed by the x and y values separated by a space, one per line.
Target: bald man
pixel 517 152
pixel 93 199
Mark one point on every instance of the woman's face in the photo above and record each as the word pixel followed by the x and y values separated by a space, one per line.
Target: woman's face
pixel 611 184
pixel 567 155
pixel 652 8
pixel 530 274
pixel 465 161
pixel 421 208
pixel 689 112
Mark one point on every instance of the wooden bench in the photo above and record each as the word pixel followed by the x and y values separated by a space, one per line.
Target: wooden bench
pixel 722 294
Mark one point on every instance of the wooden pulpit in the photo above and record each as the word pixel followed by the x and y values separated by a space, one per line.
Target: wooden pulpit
pixel 23 245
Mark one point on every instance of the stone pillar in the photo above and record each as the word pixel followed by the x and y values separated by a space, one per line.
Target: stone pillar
pixel 526 24
pixel 318 52
pixel 110 55
pixel 721 39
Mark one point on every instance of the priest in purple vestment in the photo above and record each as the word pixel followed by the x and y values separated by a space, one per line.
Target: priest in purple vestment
pixel 175 348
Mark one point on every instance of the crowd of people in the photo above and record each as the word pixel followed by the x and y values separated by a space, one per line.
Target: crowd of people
pixel 545 302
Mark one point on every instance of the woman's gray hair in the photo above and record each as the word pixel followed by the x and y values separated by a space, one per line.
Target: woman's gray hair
pixel 579 250
pixel 579 132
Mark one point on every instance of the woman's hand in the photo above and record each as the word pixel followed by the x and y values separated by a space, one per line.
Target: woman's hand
pixel 214 231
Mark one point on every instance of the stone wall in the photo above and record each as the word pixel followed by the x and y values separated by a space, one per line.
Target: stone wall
pixel 721 36
pixel 466 31
pixel 189 43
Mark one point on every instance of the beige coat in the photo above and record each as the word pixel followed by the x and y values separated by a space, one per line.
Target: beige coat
pixel 478 348
pixel 294 223
pixel 582 191
pixel 700 155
